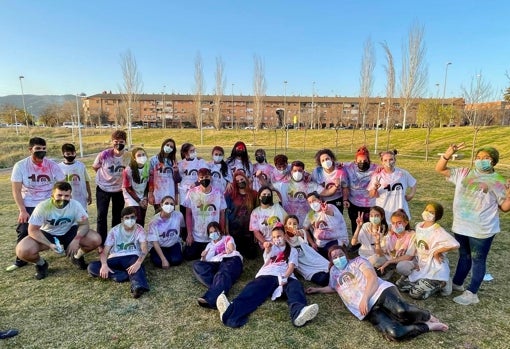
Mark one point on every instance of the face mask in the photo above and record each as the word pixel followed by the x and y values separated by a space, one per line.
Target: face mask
pixel 168 208
pixel 130 222
pixel 241 185
pixel 217 158
pixel 390 165
pixel 167 149
pixel 375 220
pixel 239 153
pixel 316 206
pixel 119 146
pixel 192 156
pixel 69 158
pixel 399 229
pixel 214 236
pixel 278 241
pixel 266 200
pixel 428 216
pixel 340 262
pixel 297 176
pixel 141 160
pixel 260 159
pixel 327 164
pixel 483 165
pixel 205 182
pixel 40 154
pixel 60 203
pixel 282 172
pixel 363 166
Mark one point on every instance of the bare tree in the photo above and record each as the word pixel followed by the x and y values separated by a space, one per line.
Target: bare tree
pixel 428 116
pixel 389 68
pixel 130 89
pixel 199 90
pixel 218 92
pixel 259 90
pixel 366 81
pixel 414 75
pixel 479 91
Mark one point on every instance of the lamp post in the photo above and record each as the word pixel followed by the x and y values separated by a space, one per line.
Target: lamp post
pixel 16 122
pixel 79 125
pixel 23 98
pixel 313 94
pixel 232 97
pixel 285 114
pixel 377 126
pixel 444 89
pixel 163 116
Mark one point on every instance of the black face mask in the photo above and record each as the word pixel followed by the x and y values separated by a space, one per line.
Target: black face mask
pixel 60 203
pixel 205 182
pixel 241 185
pixel 363 166
pixel 260 159
pixel 239 153
pixel 266 200
pixel 70 158
pixel 40 154
pixel 119 146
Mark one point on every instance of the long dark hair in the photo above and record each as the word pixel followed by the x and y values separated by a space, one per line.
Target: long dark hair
pixel 162 155
pixel 224 167
pixel 286 252
pixel 184 149
pixel 134 166
pixel 245 159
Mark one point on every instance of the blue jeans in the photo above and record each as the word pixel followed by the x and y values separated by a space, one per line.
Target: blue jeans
pixel 256 292
pixel 321 278
pixel 218 276
pixel 119 266
pixel 103 204
pixel 472 256
pixel 173 255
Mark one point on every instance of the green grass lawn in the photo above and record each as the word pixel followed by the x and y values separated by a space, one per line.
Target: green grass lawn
pixel 70 310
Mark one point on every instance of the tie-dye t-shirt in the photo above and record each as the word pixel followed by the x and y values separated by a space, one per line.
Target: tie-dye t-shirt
pixel 57 221
pixel 139 188
pixel 36 180
pixel 166 230
pixel 294 196
pixel 216 251
pixel 476 202
pixel 266 172
pixel 358 183
pixel 350 284
pixel 76 174
pixel 264 219
pixel 275 263
pixel 327 228
pixel 109 170
pixel 217 179
pixel 205 208
pixel 125 243
pixel 327 180
pixel 161 179
pixel 237 165
pixel 188 169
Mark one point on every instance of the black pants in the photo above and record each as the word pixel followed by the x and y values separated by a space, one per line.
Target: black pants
pixel 353 215
pixel 103 204
pixel 22 232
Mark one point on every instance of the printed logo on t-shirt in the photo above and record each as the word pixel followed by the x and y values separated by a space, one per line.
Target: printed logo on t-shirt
pixel 39 178
pixel 73 177
pixel 394 187
pixel 167 234
pixel 55 222
pixel 116 169
pixel 126 247
pixel 164 169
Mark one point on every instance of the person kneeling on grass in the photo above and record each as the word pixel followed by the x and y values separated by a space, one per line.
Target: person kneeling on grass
pixel 61 225
pixel 369 297
pixel 219 267
pixel 274 278
pixel 124 250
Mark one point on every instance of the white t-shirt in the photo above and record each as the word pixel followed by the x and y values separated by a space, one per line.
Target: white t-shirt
pixel 310 261
pixel 476 202
pixel 367 240
pixel 109 170
pixel 161 176
pixel 264 219
pixel 392 191
pixel 294 196
pixel 327 228
pixel 188 169
pixel 266 171
pixel 57 221
pixel 427 241
pixel 237 165
pixel 217 179
pixel 350 284
pixel 327 180
pixel 358 184
pixel 165 230
pixel 36 181
pixel 216 251
pixel 125 243
pixel 76 174
pixel 139 188
pixel 205 208
pixel 275 263
pixel 391 243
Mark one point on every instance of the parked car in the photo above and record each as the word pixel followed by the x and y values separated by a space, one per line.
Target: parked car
pixel 249 128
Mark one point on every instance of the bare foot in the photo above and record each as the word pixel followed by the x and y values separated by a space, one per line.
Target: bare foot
pixel 437 326
pixel 433 318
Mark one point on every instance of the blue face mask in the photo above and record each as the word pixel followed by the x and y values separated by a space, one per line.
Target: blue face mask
pixel 483 165
pixel 340 262
pixel 214 235
pixel 399 229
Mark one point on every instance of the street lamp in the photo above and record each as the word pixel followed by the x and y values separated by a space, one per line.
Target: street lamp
pixel 377 126
pixel 232 95
pixel 285 102
pixel 313 94
pixel 16 122
pixel 79 125
pixel 23 98
pixel 445 76
pixel 163 116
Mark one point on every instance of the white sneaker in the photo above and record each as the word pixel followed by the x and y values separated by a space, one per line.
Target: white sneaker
pixel 447 289
pixel 467 298
pixel 459 288
pixel 306 314
pixel 222 304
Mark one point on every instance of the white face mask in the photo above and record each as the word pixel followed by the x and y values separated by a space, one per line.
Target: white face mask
pixel 297 176
pixel 167 149
pixel 130 222
pixel 217 158
pixel 141 160
pixel 192 155
pixel 327 164
pixel 316 206
pixel 428 216
pixel 168 208
pixel 279 241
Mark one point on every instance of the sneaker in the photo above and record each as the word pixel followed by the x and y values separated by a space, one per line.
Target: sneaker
pixel 41 271
pixel 17 264
pixel 79 262
pixel 137 292
pixel 222 304
pixel 306 314
pixel 403 284
pixel 424 288
pixel 12 267
pixel 459 288
pixel 8 334
pixel 447 288
pixel 467 298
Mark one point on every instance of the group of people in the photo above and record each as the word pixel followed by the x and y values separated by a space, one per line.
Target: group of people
pixel 231 208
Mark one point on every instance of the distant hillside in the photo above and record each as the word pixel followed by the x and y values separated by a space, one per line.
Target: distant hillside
pixel 35 104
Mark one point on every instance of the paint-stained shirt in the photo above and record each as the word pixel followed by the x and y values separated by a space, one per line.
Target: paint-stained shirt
pixel 109 170
pixel 125 243
pixel 57 221
pixel 76 174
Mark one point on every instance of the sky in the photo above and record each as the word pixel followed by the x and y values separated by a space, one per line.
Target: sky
pixel 69 47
